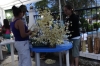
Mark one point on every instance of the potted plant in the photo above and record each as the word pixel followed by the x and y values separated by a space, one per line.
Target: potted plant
pixel 96 25
pixel 89 28
pixel 51 33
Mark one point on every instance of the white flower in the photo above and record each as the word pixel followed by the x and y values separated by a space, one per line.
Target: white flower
pixel 70 35
pixel 52 33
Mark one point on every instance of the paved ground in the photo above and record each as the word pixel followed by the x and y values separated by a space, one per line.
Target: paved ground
pixel 7 60
pixel 83 61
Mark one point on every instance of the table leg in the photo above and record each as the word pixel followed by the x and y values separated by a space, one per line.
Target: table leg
pixel 12 54
pixel 37 58
pixel 60 58
pixel 67 58
pixel 1 56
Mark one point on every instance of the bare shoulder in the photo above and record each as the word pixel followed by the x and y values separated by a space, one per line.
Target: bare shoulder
pixel 20 21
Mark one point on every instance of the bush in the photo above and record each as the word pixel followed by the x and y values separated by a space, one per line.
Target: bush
pixel 96 25
pixel 84 23
pixel 89 27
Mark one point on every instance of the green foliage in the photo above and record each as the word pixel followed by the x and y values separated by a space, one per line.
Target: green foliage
pixel 84 23
pixel 90 27
pixel 42 4
pixel 96 25
pixel 87 26
pixel 99 24
pixel 36 43
pixel 55 4
pixel 77 4
pixel 9 12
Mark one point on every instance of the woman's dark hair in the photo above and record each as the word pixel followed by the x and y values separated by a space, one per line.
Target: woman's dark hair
pixel 6 24
pixel 69 7
pixel 16 11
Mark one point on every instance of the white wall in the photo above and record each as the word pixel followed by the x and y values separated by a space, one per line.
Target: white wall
pixel 2 15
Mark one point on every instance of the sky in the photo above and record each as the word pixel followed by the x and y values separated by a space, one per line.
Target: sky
pixel 33 4
pixel 98 2
pixel 28 5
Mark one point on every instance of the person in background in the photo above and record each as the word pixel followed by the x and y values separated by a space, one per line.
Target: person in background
pixel 0 29
pixel 21 35
pixel 73 27
pixel 6 32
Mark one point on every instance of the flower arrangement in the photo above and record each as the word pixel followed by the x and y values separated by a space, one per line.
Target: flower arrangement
pixel 51 33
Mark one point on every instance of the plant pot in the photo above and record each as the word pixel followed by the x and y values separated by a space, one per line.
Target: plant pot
pixel 83 46
pixel 96 45
pixel 52 46
pixel 90 44
pixel 38 44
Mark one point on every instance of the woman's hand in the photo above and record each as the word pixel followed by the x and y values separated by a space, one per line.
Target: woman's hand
pixel 35 30
pixel 29 32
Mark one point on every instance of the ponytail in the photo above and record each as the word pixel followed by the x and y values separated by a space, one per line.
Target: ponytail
pixel 16 11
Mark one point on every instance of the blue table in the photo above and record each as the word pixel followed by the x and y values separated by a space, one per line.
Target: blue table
pixel 59 48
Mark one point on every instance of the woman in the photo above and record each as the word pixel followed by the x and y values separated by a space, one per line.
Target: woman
pixel 6 32
pixel 24 10
pixel 21 35
pixel 73 21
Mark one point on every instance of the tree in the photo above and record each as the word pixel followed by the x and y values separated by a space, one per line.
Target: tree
pixel 77 4
pixel 42 4
pixel 8 14
pixel 55 4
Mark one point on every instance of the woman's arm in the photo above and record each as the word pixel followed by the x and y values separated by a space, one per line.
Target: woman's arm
pixel 22 29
